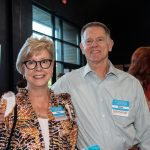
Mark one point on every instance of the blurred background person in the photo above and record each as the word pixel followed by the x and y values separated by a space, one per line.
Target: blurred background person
pixel 36 118
pixel 140 68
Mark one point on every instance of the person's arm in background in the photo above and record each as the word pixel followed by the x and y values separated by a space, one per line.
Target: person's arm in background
pixel 7 104
pixel 3 128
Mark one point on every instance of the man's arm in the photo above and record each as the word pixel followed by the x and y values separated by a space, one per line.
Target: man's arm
pixel 142 121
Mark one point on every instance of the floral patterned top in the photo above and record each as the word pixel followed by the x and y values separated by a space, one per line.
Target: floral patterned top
pixel 27 133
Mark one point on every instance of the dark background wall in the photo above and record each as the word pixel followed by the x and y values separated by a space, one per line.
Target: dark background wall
pixel 3 41
pixel 128 21
pixel 15 27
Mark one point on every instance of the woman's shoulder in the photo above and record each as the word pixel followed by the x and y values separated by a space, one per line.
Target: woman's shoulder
pixel 64 95
pixel 63 98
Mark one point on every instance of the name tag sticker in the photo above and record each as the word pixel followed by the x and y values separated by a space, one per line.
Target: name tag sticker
pixel 58 112
pixel 120 107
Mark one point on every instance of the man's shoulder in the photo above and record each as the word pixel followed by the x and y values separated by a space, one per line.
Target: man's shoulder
pixel 123 75
pixel 68 79
pixel 75 71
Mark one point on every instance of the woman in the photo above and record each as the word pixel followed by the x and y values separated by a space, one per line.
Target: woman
pixel 140 68
pixel 45 121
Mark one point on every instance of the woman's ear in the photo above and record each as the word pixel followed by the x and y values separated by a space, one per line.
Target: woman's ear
pixel 23 72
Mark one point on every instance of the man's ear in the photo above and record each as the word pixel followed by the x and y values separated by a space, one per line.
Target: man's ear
pixel 111 44
pixel 82 48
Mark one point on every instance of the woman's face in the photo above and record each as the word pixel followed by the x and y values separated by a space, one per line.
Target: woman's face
pixel 38 77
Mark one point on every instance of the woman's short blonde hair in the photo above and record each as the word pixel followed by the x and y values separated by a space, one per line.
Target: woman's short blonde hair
pixel 31 46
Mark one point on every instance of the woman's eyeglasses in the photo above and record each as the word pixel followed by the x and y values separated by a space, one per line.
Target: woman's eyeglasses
pixel 32 64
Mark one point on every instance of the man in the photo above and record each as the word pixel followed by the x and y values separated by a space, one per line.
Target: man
pixel 110 104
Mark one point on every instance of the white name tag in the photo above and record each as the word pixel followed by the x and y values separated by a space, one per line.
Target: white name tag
pixel 120 107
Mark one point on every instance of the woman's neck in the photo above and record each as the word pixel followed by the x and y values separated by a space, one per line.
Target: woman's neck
pixel 40 101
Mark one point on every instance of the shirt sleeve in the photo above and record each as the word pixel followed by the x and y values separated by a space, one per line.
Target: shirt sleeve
pixel 142 121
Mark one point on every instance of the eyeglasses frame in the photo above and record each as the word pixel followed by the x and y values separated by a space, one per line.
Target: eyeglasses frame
pixel 40 61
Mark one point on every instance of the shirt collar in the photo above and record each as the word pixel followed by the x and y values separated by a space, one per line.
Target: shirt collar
pixel 112 70
pixel 87 69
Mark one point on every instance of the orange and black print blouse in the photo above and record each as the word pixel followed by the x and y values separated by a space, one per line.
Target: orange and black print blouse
pixel 27 133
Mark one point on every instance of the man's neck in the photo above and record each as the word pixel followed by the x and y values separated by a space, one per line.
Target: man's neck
pixel 100 69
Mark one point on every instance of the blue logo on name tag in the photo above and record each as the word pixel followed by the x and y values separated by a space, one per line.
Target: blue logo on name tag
pixel 58 111
pixel 93 147
pixel 120 105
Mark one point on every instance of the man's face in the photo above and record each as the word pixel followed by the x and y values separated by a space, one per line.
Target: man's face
pixel 96 44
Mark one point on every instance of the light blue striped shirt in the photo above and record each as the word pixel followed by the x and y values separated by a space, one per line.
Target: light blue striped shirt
pixel 92 99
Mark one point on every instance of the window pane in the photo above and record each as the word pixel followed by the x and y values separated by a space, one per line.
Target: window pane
pixel 71 54
pixel 41 21
pixel 57 28
pixel 59 68
pixel 37 35
pixel 65 36
pixel 58 51
pixel 70 34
